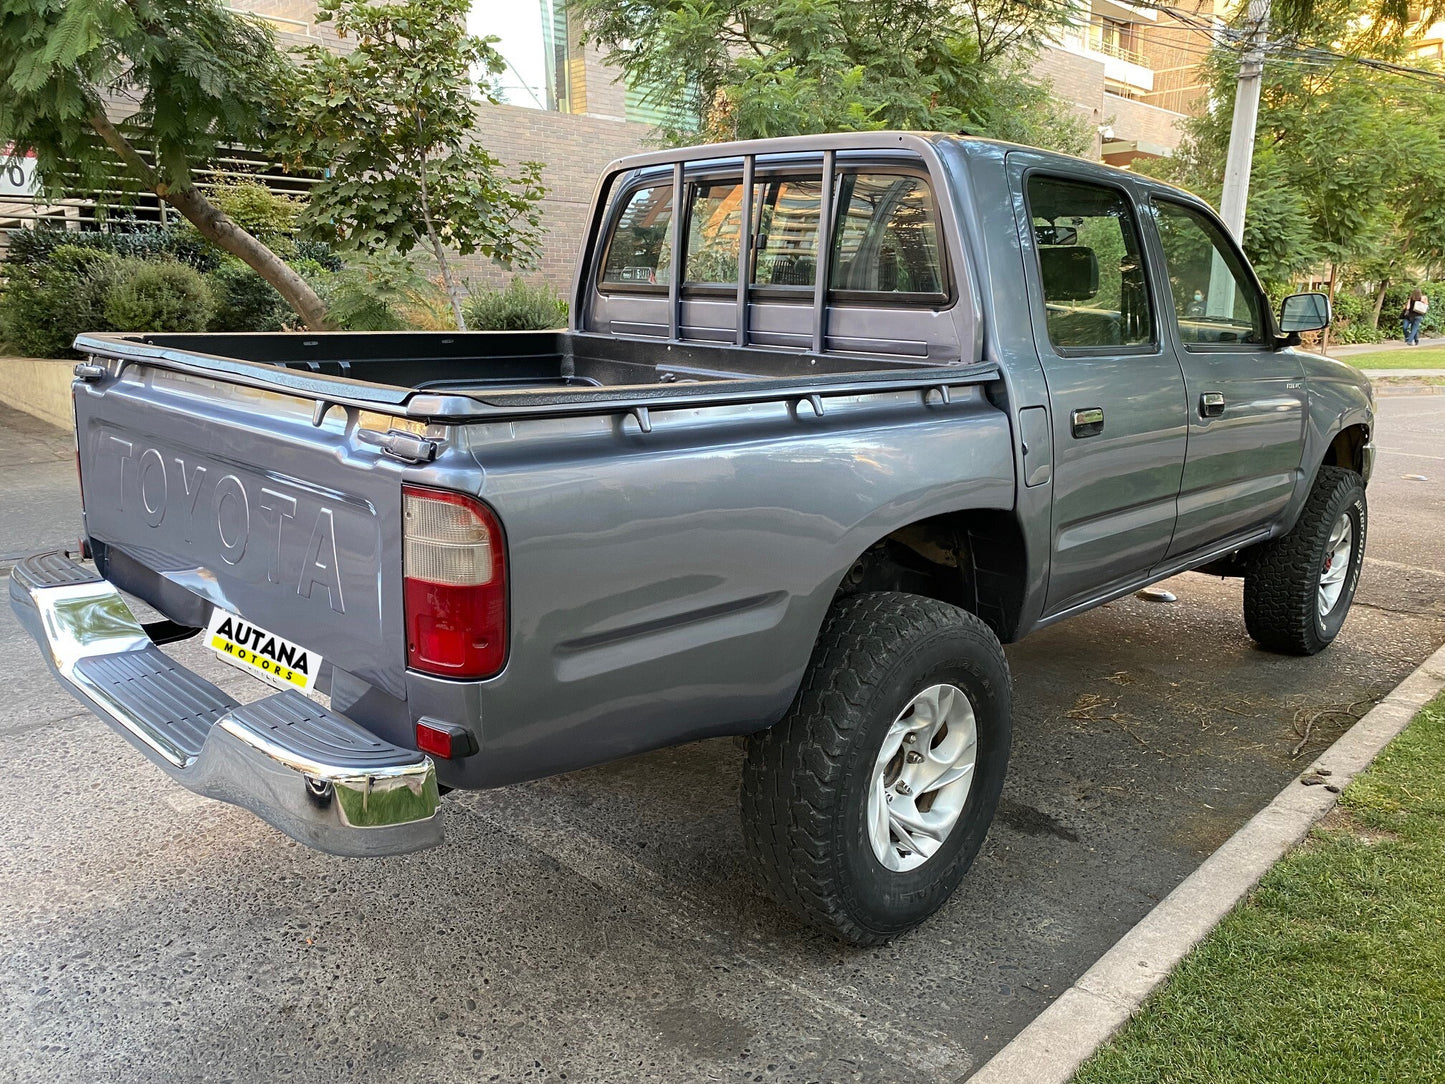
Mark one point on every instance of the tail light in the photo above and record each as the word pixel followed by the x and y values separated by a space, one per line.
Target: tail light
pixel 455 588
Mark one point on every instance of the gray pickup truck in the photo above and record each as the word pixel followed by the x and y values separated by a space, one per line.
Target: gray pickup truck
pixel 836 415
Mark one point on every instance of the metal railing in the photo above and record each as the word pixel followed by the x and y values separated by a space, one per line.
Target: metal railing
pixel 1099 37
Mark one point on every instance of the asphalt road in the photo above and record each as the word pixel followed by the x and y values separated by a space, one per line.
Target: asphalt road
pixel 601 926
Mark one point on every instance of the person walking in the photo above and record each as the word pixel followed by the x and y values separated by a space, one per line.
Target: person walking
pixel 1415 309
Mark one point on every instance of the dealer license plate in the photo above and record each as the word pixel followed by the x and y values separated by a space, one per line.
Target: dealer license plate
pixel 261 654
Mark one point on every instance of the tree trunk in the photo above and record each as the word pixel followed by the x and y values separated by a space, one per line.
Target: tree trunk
pixel 1379 303
pixel 216 226
pixel 454 292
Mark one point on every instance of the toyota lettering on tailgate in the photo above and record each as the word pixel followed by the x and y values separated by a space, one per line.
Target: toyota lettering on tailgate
pixel 211 506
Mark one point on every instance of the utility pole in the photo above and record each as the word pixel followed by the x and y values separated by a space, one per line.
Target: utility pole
pixel 1246 116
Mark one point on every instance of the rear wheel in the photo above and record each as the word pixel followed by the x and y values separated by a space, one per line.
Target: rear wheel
pixel 1298 588
pixel 866 805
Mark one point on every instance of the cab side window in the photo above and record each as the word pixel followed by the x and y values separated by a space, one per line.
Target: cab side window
pixel 1214 299
pixel 640 251
pixel 1091 265
pixel 886 239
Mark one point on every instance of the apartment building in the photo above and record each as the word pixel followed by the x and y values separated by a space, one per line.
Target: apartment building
pixel 1133 72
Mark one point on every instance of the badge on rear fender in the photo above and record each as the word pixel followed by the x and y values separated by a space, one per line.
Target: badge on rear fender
pixel 260 653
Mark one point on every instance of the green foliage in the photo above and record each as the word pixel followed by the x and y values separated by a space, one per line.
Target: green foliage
pixel 1349 161
pixel 29 248
pixel 394 118
pixel 1353 319
pixel 384 292
pixel 201 78
pixel 741 69
pixel 156 295
pixel 45 305
pixel 518 307
pixel 263 214
pixel 244 300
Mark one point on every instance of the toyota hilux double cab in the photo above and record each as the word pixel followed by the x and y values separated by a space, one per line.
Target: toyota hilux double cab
pixel 835 417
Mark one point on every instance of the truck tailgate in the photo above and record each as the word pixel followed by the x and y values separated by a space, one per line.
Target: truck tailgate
pixel 197 489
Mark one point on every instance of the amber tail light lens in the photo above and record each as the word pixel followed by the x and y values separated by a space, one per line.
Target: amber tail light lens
pixel 455 587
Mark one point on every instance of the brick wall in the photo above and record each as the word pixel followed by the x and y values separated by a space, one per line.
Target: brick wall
pixel 1141 122
pixel 1079 81
pixel 574 150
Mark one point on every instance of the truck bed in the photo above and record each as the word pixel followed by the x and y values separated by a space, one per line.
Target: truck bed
pixel 460 374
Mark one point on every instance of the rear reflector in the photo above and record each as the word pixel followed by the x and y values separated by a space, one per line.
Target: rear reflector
pixel 433 740
pixel 455 588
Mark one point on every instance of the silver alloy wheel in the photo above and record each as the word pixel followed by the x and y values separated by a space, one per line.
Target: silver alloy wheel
pixel 922 777
pixel 1337 563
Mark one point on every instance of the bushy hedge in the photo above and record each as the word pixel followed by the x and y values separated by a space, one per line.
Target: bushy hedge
pixel 44 305
pixel 245 301
pixel 1352 315
pixel 30 248
pixel 519 307
pixel 155 295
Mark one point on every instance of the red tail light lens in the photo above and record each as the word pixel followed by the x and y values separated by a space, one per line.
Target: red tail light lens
pixel 455 589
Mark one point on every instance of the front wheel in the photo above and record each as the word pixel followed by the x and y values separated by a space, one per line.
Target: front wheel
pixel 1298 588
pixel 866 805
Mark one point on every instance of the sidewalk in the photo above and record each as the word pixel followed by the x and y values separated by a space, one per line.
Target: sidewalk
pixel 38 460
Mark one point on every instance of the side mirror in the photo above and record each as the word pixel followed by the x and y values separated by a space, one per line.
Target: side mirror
pixel 1304 312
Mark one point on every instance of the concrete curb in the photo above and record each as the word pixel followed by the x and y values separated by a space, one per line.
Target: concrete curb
pixel 1058 1041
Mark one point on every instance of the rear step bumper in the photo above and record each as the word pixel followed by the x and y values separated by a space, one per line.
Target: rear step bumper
pixel 314 774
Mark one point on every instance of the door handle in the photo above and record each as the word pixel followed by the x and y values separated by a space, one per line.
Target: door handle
pixel 1088 422
pixel 1211 404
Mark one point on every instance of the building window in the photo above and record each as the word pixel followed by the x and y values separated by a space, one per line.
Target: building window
pixel 533 41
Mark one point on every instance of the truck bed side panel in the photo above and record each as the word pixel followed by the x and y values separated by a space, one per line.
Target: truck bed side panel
pixel 670 585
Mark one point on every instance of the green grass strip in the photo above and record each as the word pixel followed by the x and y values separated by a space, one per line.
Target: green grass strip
pixel 1415 357
pixel 1334 968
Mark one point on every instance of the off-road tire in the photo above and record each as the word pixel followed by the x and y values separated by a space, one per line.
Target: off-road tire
pixel 1281 582
pixel 805 780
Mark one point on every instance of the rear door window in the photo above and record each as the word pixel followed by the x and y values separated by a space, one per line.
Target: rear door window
pixel 640 251
pixel 1091 266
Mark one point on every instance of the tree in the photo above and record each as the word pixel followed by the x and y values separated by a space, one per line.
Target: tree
pixel 742 69
pixel 395 118
pixel 1349 163
pixel 88 85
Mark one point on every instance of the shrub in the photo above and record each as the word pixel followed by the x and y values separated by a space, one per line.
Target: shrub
pixel 30 248
pixel 263 214
pixel 43 307
pixel 245 301
pixel 143 295
pixel 520 307
pixel 1352 315
pixel 383 292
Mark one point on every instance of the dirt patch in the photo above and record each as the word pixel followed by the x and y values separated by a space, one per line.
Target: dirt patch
pixel 1342 820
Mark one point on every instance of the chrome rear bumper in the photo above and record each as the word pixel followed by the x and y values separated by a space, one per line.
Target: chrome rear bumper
pixel 314 774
